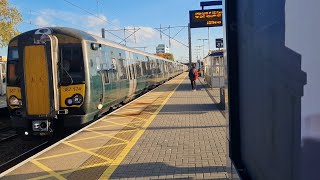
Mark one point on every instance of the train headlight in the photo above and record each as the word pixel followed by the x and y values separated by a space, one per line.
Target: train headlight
pixel 76 99
pixel 14 101
pixel 69 102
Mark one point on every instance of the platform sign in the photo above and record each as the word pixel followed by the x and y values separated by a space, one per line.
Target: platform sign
pixel 205 18
pixel 219 43
pixel 211 3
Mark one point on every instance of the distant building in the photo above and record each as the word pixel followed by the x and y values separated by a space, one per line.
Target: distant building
pixel 161 48
pixel 3 58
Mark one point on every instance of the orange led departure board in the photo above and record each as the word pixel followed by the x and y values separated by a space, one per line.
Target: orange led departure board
pixel 205 18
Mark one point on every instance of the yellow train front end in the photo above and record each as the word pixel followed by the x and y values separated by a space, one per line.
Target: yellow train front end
pixel 38 89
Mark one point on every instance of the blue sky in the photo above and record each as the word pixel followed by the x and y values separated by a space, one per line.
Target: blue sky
pixel 116 14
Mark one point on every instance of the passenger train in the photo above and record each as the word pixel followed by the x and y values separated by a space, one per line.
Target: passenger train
pixel 63 77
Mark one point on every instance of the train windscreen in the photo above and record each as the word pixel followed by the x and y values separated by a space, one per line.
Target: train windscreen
pixel 13 66
pixel 71 64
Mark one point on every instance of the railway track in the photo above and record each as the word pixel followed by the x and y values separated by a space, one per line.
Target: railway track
pixel 7 134
pixel 15 160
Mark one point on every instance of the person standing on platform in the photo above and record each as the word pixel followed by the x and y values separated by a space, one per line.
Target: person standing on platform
pixel 193 76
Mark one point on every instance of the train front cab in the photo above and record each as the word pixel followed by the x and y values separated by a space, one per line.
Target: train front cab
pixel 45 80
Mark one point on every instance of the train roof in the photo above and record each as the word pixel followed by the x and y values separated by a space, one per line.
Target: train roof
pixel 79 34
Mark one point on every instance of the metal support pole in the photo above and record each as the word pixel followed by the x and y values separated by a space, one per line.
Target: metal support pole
pixel 124 36
pixel 103 34
pixel 208 39
pixel 190 48
pixel 134 34
pixel 169 38
pixel 202 48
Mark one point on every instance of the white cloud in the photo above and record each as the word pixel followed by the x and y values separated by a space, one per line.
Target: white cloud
pixel 176 44
pixel 100 20
pixel 96 31
pixel 115 24
pixel 143 34
pixel 50 17
pixel 43 22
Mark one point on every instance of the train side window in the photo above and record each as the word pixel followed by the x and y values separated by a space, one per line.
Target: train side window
pixel 138 67
pixel 144 68
pixel 122 69
pixel 133 72
pixel 148 67
pixel 130 77
pixel 106 77
pixel 158 66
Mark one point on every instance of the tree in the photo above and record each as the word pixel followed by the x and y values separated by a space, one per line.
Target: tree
pixel 10 17
pixel 166 56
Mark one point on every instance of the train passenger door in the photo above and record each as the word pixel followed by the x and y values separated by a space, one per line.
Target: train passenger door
pixel 107 75
pixel 114 93
pixel 40 76
pixel 132 76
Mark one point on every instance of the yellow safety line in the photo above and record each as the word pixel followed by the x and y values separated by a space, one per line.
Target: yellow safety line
pixel 89 152
pixel 114 165
pixel 137 106
pixel 125 125
pixel 111 145
pixel 75 152
pixel 107 135
pixel 123 116
pixel 122 124
pixel 101 127
pixel 82 139
pixel 101 134
pixel 48 170
pixel 72 170
pixel 135 113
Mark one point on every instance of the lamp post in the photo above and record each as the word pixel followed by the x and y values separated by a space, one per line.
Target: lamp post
pixel 203 45
pixel 197 50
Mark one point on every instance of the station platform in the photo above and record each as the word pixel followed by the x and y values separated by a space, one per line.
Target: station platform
pixel 169 133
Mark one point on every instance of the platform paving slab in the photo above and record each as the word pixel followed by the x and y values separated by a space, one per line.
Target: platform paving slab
pixel 187 140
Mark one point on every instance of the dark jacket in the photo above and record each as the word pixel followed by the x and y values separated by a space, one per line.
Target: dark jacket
pixel 192 74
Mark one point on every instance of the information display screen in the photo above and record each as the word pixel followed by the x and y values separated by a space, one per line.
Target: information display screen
pixel 205 18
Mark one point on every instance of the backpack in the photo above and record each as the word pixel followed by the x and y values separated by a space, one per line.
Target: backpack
pixel 192 75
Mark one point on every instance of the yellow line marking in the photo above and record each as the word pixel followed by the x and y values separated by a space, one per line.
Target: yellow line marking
pixel 75 152
pixel 114 165
pixel 123 115
pixel 111 145
pixel 82 139
pixel 100 135
pixel 112 125
pixel 72 170
pixel 48 170
pixel 89 152
pixel 107 135
pixel 124 124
